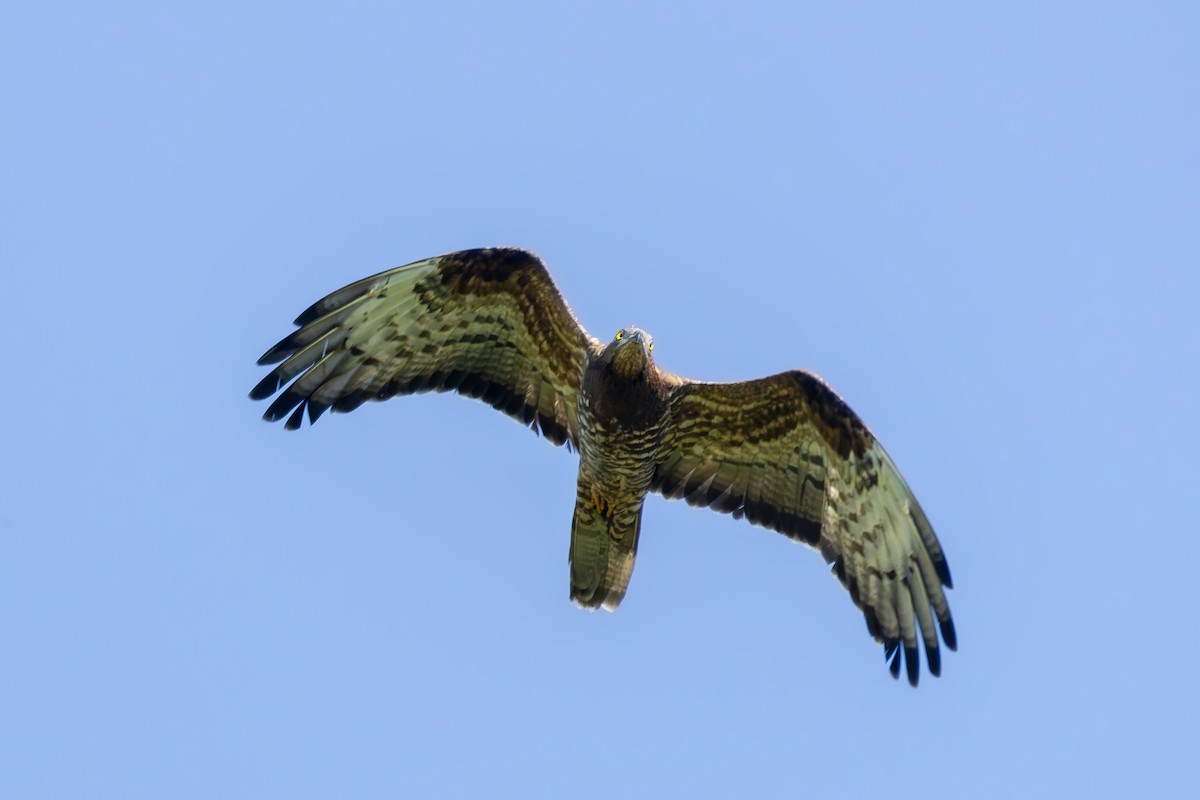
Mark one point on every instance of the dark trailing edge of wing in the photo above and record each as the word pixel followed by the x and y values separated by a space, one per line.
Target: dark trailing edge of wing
pixel 700 489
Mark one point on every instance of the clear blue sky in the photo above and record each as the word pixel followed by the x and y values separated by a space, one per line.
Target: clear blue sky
pixel 981 226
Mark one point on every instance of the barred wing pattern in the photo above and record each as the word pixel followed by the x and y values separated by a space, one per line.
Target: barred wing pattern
pixel 486 323
pixel 787 453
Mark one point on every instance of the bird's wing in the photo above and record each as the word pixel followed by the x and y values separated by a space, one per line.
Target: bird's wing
pixel 485 323
pixel 787 453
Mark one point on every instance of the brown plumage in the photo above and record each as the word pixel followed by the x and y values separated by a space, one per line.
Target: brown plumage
pixel 785 452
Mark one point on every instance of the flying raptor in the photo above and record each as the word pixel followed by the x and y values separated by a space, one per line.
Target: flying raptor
pixel 784 452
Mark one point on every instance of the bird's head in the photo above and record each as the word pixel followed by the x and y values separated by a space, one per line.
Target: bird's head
pixel 629 351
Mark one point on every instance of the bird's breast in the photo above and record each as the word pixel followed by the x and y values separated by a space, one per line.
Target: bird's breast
pixel 620 433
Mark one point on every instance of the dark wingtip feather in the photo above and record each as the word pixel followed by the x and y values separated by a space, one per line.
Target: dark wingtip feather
pixel 934 657
pixel 912 661
pixel 948 634
pixel 872 621
pixel 272 356
pixel 265 388
pixel 282 349
pixel 296 419
pixel 315 410
pixel 891 650
pixel 283 405
pixel 943 571
pixel 315 311
pixel 332 302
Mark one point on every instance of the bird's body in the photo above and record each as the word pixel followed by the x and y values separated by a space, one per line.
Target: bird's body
pixel 784 452
pixel 623 410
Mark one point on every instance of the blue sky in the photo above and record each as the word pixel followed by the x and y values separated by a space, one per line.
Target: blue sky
pixel 979 224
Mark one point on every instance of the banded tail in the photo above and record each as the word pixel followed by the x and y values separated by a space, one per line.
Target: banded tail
pixel 603 548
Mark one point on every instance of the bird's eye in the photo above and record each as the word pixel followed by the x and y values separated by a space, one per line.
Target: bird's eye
pixel 651 347
pixel 619 335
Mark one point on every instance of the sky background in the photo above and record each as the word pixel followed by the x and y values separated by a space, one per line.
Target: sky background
pixel 979 224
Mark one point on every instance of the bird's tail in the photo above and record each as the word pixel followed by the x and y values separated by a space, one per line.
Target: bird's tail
pixel 603 547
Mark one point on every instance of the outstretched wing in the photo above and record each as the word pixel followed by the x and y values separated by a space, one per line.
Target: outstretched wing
pixel 787 453
pixel 485 323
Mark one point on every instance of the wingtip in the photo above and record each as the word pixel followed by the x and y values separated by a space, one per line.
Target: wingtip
pixel 949 636
pixel 315 410
pixel 268 358
pixel 934 657
pixel 296 419
pixel 943 570
pixel 283 405
pixel 315 311
pixel 265 388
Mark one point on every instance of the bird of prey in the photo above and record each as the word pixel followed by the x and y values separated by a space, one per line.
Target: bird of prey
pixel 784 452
